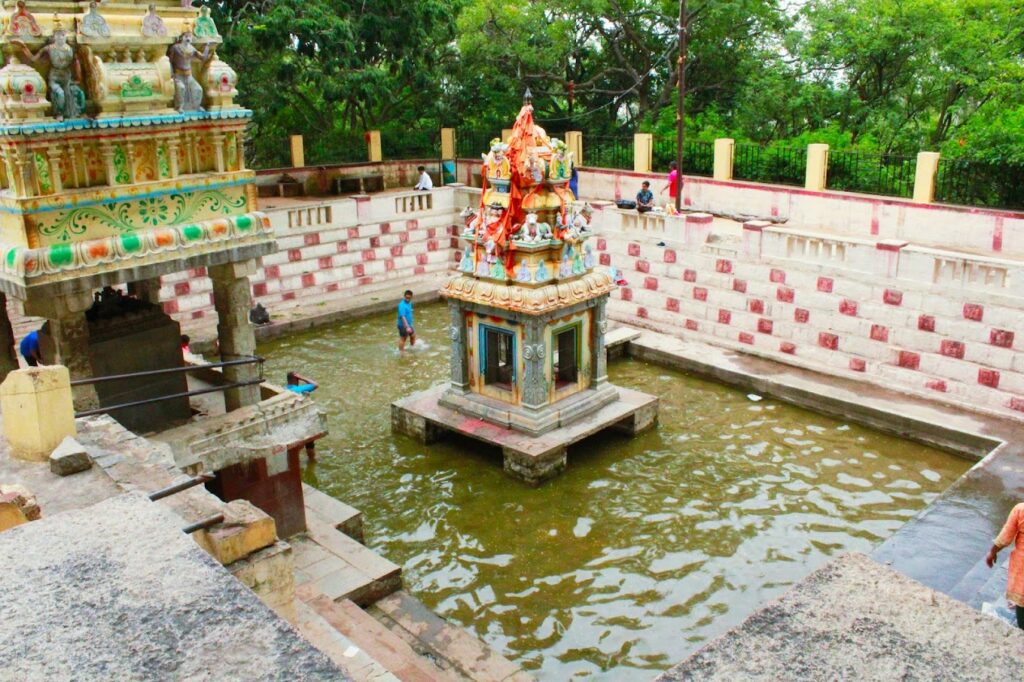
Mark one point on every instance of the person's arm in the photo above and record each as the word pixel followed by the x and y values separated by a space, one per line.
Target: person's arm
pixel 307 380
pixel 1007 536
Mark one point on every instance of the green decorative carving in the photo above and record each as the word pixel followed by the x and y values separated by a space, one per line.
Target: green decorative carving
pixel 129 216
pixel 61 254
pixel 121 174
pixel 136 87
pixel 162 162
pixel 43 173
pixel 131 243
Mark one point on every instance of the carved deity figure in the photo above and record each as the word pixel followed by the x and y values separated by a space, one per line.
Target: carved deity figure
pixel 560 161
pixel 22 23
pixel 65 73
pixel 496 164
pixel 152 25
pixel 188 93
pixel 205 28
pixel 92 25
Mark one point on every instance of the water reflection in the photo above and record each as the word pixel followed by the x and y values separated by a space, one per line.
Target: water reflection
pixel 644 548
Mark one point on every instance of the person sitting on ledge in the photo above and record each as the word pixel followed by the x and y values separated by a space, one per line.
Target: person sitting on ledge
pixel 296 383
pixel 645 198
pixel 425 183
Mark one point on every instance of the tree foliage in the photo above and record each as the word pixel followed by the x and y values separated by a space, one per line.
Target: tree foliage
pixel 893 75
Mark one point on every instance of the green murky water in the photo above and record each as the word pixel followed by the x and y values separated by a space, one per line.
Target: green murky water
pixel 644 548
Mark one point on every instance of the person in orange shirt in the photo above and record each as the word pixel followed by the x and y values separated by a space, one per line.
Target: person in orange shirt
pixel 1012 534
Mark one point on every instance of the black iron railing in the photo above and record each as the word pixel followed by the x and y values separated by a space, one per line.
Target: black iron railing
pixel 246 360
pixel 698 156
pixel 980 183
pixel 424 143
pixel 470 144
pixel 779 165
pixel 605 151
pixel 888 174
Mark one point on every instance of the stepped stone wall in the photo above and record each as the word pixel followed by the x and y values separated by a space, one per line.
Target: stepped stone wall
pixel 341 246
pixel 944 324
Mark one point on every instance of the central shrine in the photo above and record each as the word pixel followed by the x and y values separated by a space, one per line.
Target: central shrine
pixel 527 319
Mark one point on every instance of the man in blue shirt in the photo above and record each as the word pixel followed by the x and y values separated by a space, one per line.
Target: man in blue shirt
pixel 30 349
pixel 645 198
pixel 405 328
pixel 296 383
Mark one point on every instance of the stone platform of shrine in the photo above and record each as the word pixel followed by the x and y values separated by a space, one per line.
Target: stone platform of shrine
pixel 532 459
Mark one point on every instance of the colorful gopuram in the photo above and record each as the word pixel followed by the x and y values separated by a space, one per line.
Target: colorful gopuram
pixel 527 318
pixel 121 160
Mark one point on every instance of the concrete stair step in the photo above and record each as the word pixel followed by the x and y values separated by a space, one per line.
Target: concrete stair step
pixel 359 665
pixel 331 562
pixel 463 652
pixel 378 642
pixel 333 512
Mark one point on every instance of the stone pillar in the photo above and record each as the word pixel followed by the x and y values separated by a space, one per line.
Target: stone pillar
pixel 70 333
pixel 924 177
pixel 753 238
pixel 218 152
pixel 574 141
pixel 643 152
pixel 147 290
pixel 724 149
pixel 8 356
pixel 535 389
pixel 107 152
pixel 373 148
pixel 53 154
pixel 172 156
pixel 447 143
pixel 232 297
pixel 817 167
pixel 240 141
pixel 129 155
pixel 460 356
pixel 298 152
pixel 600 361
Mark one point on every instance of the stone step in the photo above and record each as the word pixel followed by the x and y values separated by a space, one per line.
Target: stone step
pixel 378 642
pixel 357 663
pixel 329 562
pixel 460 650
pixel 333 512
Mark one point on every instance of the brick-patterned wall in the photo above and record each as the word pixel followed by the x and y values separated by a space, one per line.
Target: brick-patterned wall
pixel 846 306
pixel 334 249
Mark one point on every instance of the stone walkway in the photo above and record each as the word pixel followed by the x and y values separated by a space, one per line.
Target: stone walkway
pixel 854 619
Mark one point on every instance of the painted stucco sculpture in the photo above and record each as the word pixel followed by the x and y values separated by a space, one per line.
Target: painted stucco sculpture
pixel 122 186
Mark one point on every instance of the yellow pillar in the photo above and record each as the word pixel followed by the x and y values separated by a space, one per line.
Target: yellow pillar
pixel 506 134
pixel 298 152
pixel 574 142
pixel 643 152
pixel 38 410
pixel 924 177
pixel 724 148
pixel 447 143
pixel 373 150
pixel 817 167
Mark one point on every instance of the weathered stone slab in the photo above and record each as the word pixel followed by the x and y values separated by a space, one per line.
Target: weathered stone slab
pixel 855 619
pixel 69 458
pixel 117 592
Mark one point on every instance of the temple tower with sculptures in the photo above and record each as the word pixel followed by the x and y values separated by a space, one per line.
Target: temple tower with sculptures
pixel 527 319
pixel 121 160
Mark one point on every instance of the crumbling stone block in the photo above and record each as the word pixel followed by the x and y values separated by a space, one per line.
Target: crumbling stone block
pixel 69 458
pixel 17 506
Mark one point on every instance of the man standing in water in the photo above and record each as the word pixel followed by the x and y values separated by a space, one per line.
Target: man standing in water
pixel 1012 534
pixel 405 328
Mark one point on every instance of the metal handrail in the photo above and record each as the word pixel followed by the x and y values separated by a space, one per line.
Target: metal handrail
pixel 246 360
pixel 186 394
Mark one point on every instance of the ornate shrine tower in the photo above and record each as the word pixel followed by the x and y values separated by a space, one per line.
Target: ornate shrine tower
pixel 527 319
pixel 121 159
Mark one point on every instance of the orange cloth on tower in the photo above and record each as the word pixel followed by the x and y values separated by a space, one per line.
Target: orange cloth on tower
pixel 1013 534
